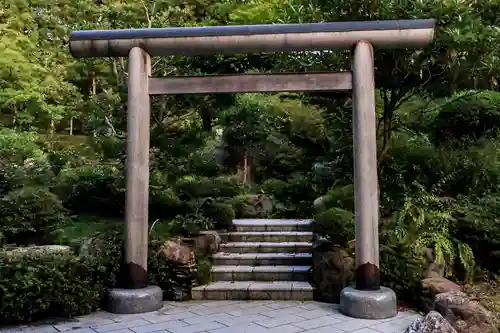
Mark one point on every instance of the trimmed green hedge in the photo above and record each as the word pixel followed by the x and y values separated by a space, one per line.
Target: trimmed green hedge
pixel 193 187
pixel 40 284
pixel 92 189
pixel 30 215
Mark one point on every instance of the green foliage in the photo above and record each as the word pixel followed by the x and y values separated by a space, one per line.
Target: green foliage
pixel 221 213
pixel 240 206
pixel 51 284
pixel 340 196
pixel 30 215
pixel 111 147
pixel 401 267
pixel 207 160
pixel 426 221
pixel 22 161
pixel 204 271
pixel 189 225
pixel 66 284
pixel 92 189
pixel 298 146
pixel 440 170
pixel 65 159
pixel 276 187
pixel 17 147
pixel 478 225
pixel 194 187
pixel 468 118
pixel 336 224
pixel 14 176
pixel 300 195
pixel 164 203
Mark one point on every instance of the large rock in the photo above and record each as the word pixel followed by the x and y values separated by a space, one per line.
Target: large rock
pixel 437 286
pixel 466 315
pixel 39 249
pixel 332 270
pixel 319 204
pixel 176 252
pixel 182 269
pixel 432 323
pixel 432 287
pixel 208 242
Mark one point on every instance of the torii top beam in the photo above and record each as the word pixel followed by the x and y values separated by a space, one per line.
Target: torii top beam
pixel 190 41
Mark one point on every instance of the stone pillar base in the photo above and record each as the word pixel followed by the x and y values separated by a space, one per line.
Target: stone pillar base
pixel 377 304
pixel 129 301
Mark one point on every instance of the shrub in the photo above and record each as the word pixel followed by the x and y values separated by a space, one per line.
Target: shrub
pixel 17 147
pixel 427 221
pixel 336 224
pixel 240 206
pixel 193 187
pixel 190 225
pixel 30 215
pixel 163 203
pixel 221 213
pixel 401 269
pixel 95 190
pixel 256 206
pixel 206 162
pixel 67 284
pixel 277 188
pixel 22 161
pixel 66 158
pixel 301 195
pixel 478 225
pixel 12 176
pixel 111 147
pixel 50 284
pixel 224 186
pixel 199 187
pixel 469 117
pixel 341 197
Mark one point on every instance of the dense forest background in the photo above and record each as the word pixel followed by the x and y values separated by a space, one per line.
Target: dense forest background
pixel 216 157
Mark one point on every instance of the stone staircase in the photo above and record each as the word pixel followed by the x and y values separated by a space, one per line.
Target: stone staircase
pixel 262 259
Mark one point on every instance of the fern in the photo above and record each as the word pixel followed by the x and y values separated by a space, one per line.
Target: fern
pixel 426 221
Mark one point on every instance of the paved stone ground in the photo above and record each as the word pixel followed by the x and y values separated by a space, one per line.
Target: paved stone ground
pixel 227 317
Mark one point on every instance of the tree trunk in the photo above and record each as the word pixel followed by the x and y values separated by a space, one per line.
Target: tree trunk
pixel 94 85
pixel 52 127
pixel 244 168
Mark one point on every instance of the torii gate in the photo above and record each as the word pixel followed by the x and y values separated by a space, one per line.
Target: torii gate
pixel 368 299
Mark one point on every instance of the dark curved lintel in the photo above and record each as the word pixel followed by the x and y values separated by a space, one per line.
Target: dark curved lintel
pixel 242 30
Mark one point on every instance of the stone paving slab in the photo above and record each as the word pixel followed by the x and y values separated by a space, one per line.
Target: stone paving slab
pixel 226 317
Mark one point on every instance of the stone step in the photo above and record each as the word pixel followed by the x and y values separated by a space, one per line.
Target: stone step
pixel 267 247
pixel 267 236
pixel 258 225
pixel 262 259
pixel 254 290
pixel 260 273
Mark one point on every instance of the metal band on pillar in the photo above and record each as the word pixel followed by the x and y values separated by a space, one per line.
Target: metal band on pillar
pixel 136 215
pixel 365 168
